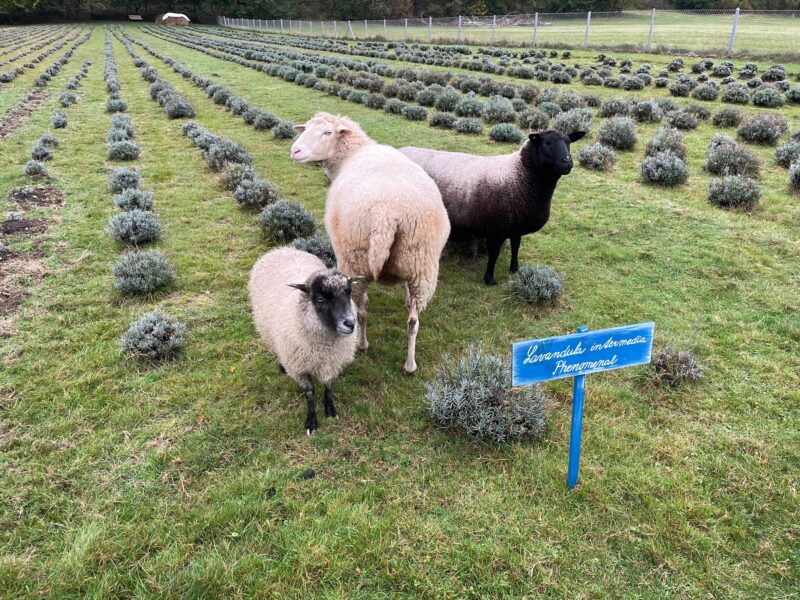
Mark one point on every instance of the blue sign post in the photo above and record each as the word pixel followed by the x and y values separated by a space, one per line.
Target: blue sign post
pixel 577 355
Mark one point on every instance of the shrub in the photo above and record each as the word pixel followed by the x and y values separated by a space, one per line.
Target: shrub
pixel 448 99
pixel 735 93
pixel 794 176
pixel 250 115
pixel 284 130
pixel 142 273
pixel 551 109
pixel 115 105
pixel 255 192
pixel 235 173
pixel 67 99
pixel 376 101
pixel 598 157
pixel 474 393
pixel 48 140
pixel 667 138
pixel 618 133
pixel 59 120
pixel 133 198
pixel 683 119
pixel 265 121
pixel 224 151
pixel 394 106
pixel 505 132
pixel 664 168
pixel 178 107
pixel 680 89
pixel 614 107
pixel 535 120
pixel 793 95
pixel 285 221
pixel 155 336
pixel 633 83
pixel 788 153
pixel 499 110
pixel 776 73
pixel 647 112
pixel 123 178
pixel 122 123
pixel 469 106
pixel 576 119
pixel 675 367
pixel 443 119
pixel 734 191
pixel 468 125
pixel 763 128
pixel 414 113
pixel 123 150
pixel 319 245
pixel 560 77
pixel 707 92
pixel 34 168
pixel 727 117
pixel 768 97
pixel 134 227
pixel 729 158
pixel 537 284
pixel 41 152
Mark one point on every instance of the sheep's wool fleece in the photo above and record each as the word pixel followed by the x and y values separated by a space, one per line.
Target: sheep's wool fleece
pixel 386 220
pixel 466 179
pixel 287 322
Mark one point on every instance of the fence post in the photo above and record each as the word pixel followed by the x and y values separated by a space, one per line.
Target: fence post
pixel 733 31
pixel 650 35
pixel 350 30
pixel 430 29
pixel 535 28
pixel 335 34
pixel 366 31
pixel 459 29
pixel 322 27
pixel 586 35
pixel 281 25
pixel 405 33
pixel 494 28
pixel 385 35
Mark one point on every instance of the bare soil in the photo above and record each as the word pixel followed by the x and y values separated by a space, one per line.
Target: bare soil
pixel 19 113
pixel 37 197
pixel 22 226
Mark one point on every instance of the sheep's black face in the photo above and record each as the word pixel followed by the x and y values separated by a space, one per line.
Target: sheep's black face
pixel 551 151
pixel 329 293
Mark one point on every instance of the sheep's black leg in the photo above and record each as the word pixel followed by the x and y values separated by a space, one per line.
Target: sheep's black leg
pixel 281 368
pixel 515 242
pixel 330 409
pixel 493 245
pixel 311 414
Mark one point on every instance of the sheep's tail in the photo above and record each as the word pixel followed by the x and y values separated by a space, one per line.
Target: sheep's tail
pixel 380 247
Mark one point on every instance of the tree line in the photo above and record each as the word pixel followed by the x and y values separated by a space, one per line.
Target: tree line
pixel 199 10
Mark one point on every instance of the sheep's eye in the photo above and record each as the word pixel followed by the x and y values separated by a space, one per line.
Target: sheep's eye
pixel 327 132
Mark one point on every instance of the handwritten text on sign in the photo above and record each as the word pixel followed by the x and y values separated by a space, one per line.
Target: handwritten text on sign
pixel 581 353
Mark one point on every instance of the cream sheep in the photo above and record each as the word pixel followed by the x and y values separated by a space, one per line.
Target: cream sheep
pixel 384 215
pixel 310 329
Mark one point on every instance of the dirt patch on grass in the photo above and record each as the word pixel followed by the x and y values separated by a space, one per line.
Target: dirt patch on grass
pixel 19 113
pixel 10 295
pixel 37 197
pixel 6 254
pixel 20 225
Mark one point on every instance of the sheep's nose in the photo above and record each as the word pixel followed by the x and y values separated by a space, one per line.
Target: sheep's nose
pixel 295 151
pixel 349 323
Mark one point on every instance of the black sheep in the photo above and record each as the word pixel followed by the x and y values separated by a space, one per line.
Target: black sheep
pixel 499 198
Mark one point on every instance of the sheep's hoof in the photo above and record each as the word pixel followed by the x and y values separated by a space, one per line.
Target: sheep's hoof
pixel 489 281
pixel 309 432
pixel 410 368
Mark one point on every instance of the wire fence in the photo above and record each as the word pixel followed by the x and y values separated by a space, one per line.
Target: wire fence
pixel 713 31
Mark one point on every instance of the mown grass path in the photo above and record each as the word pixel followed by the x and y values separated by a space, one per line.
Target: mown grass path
pixel 122 480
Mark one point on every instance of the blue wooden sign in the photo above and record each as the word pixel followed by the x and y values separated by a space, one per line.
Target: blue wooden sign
pixel 577 355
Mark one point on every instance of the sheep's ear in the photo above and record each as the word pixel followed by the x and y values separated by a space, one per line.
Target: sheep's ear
pixel 299 286
pixel 535 137
pixel 576 135
pixel 344 130
pixel 300 128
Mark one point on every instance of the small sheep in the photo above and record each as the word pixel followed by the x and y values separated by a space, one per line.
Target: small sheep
pixel 384 215
pixel 309 329
pixel 499 197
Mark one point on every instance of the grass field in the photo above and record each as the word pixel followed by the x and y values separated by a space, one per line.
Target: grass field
pixel 120 480
pixel 673 31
